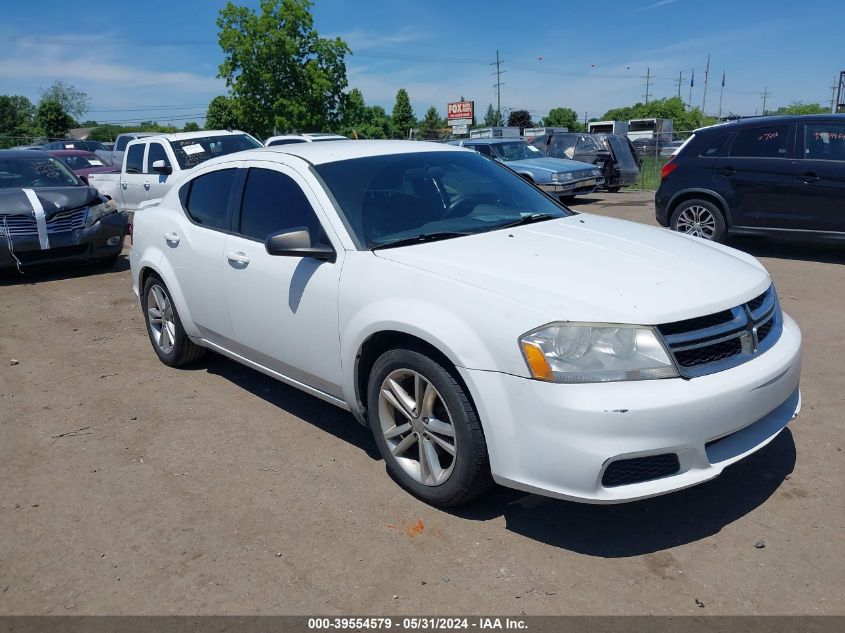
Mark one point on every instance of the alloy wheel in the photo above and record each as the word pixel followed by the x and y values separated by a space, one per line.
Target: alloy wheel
pixel 698 221
pixel 161 319
pixel 417 427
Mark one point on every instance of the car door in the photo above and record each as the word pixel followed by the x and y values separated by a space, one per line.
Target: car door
pixel 819 184
pixel 155 184
pixel 284 309
pixel 132 177
pixel 756 175
pixel 193 244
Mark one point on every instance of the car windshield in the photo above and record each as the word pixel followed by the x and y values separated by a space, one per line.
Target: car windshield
pixel 82 162
pixel 35 172
pixel 190 152
pixel 393 198
pixel 516 151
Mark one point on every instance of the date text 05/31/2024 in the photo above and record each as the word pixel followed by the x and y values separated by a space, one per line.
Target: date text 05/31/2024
pixel 415 624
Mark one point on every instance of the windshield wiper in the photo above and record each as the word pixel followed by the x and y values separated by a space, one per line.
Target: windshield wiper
pixel 419 239
pixel 528 219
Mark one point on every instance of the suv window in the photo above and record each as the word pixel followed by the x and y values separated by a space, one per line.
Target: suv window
pixel 156 153
pixel 763 142
pixel 824 141
pixel 135 159
pixel 715 147
pixel 121 143
pixel 208 198
pixel 273 202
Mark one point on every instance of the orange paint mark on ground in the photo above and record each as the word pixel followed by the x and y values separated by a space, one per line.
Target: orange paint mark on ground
pixel 415 529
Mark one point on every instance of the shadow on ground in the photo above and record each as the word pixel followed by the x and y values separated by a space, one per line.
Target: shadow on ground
pixel 824 252
pixel 651 525
pixel 57 272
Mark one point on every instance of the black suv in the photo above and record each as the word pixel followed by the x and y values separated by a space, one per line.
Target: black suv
pixel 774 175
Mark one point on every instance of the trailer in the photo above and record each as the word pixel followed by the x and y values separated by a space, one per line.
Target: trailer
pixel 658 129
pixel 495 132
pixel 608 127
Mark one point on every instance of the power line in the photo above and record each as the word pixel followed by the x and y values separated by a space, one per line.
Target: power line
pixel 765 94
pixel 680 82
pixel 648 77
pixel 498 85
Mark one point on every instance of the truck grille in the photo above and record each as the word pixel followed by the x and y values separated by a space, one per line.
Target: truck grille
pixel 61 222
pixel 715 342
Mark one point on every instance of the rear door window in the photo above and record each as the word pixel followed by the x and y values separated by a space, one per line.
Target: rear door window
pixel 824 141
pixel 761 142
pixel 135 159
pixel 208 198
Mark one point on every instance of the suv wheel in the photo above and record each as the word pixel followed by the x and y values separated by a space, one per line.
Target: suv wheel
pixel 164 326
pixel 700 218
pixel 427 429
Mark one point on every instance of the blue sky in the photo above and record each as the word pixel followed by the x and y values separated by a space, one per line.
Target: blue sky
pixel 158 60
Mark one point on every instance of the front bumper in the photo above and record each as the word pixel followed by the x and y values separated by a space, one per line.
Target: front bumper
pixel 82 245
pixel 573 188
pixel 558 439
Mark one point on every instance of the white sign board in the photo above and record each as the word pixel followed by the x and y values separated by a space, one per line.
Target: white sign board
pixel 460 122
pixel 460 129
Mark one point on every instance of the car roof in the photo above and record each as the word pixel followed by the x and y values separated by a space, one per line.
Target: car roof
pixel 184 136
pixel 23 153
pixel 70 152
pixel 754 121
pixel 490 141
pixel 321 153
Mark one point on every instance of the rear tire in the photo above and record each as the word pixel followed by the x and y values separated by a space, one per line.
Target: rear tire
pixel 164 326
pixel 426 429
pixel 700 218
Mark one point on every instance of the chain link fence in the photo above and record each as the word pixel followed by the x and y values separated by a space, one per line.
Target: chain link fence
pixel 655 151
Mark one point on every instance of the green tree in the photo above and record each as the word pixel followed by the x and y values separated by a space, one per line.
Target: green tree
pixel 282 74
pixel 222 114
pixel 16 119
pixel 52 120
pixel 520 119
pixel 191 126
pixel 492 117
pixel 562 117
pixel 430 125
pixel 797 107
pixel 73 101
pixel 402 119
pixel 672 108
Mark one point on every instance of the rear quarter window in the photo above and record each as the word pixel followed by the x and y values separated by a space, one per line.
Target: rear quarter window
pixel 761 142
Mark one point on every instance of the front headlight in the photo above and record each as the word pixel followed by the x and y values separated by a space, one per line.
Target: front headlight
pixel 587 352
pixel 99 211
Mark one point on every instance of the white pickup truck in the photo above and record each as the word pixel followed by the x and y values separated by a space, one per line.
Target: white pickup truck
pixel 153 164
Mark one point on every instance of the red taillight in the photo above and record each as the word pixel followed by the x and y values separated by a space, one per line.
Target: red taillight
pixel 668 168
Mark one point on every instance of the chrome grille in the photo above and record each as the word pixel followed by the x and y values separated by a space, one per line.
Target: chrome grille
pixel 715 342
pixel 61 222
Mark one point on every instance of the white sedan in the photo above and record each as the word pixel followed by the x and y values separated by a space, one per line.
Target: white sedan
pixel 482 330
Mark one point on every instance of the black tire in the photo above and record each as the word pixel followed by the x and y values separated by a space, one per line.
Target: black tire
pixel 183 350
pixel 107 262
pixel 700 206
pixel 470 476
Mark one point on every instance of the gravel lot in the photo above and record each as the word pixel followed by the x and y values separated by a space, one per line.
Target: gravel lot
pixel 133 488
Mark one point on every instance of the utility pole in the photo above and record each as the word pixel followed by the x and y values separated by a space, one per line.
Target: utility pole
pixel 721 91
pixel 680 82
pixel 833 96
pixel 691 84
pixel 585 121
pixel 498 85
pixel 766 95
pixel 647 78
pixel 706 75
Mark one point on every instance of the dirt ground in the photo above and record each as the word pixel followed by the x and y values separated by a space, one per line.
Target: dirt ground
pixel 132 488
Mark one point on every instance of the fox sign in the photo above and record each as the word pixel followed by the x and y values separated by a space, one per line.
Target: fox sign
pixel 460 110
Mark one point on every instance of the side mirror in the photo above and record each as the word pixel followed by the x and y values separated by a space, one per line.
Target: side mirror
pixel 160 167
pixel 296 242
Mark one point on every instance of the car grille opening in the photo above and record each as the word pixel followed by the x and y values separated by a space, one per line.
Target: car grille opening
pixel 638 469
pixel 30 257
pixel 19 225
pixel 725 339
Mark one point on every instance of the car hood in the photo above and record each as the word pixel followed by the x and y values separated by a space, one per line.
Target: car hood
pixel 53 199
pixel 551 164
pixel 593 268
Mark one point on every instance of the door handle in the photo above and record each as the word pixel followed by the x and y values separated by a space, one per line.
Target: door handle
pixel 237 257
pixel 123 184
pixel 810 177
pixel 172 238
pixel 147 185
pixel 728 171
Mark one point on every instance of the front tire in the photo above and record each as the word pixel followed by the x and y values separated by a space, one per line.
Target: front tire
pixel 700 218
pixel 164 326
pixel 426 429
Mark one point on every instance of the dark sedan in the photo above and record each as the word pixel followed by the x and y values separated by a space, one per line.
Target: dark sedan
pixel 81 162
pixel 47 214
